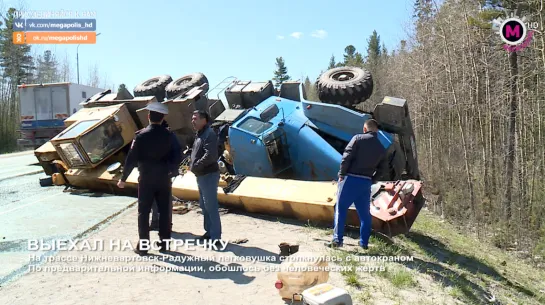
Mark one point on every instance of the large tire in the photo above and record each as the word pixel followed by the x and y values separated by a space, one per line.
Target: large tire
pixel 153 87
pixel 345 86
pixel 185 83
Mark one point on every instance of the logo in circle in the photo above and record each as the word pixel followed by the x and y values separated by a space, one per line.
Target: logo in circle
pixel 513 31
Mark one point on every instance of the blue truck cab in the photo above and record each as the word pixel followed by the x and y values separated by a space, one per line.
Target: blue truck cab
pixel 295 138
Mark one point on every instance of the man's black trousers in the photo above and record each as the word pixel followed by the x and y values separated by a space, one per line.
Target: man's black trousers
pixel 160 191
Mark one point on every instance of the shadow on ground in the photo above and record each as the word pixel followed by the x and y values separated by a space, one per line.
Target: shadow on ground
pixel 207 269
pixel 352 232
pixel 440 251
pixel 442 272
pixel 211 270
pixel 88 193
pixel 238 250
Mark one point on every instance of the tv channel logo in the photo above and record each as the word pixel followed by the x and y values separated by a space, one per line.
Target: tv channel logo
pixel 515 32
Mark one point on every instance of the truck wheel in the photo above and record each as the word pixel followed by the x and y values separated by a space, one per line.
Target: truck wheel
pixel 345 86
pixel 185 83
pixel 153 87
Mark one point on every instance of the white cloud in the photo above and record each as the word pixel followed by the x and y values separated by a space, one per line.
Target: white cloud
pixel 296 35
pixel 279 37
pixel 319 34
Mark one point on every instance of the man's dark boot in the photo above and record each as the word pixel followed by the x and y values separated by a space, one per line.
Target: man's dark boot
pixel 163 246
pixel 363 246
pixel 140 252
pixel 204 237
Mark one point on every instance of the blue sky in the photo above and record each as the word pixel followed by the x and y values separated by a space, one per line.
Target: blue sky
pixel 223 38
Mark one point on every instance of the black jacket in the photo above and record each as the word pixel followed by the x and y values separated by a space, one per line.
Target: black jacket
pixel 363 155
pixel 204 154
pixel 151 151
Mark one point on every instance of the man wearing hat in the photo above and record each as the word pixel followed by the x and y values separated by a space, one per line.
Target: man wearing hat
pixel 174 161
pixel 151 152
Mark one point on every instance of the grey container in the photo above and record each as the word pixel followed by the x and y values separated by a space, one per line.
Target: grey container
pixel 247 94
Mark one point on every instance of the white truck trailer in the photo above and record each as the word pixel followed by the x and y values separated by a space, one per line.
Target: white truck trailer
pixel 44 107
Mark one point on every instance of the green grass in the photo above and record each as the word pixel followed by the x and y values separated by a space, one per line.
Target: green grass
pixel 470 266
pixel 350 275
pixel 456 265
pixel 457 293
pixel 400 278
pixel 364 297
pixel 352 279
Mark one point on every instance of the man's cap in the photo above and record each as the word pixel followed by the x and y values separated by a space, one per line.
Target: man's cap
pixel 157 107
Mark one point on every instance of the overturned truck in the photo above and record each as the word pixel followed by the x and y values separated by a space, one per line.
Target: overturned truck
pixel 279 152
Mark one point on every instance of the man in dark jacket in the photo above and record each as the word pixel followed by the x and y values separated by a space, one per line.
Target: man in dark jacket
pixel 151 151
pixel 174 160
pixel 362 156
pixel 204 165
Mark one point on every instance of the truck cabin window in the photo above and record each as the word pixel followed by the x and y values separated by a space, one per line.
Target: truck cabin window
pixel 102 141
pixel 77 129
pixel 72 154
pixel 255 126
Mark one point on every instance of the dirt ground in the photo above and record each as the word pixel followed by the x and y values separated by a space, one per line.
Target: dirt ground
pixel 178 287
pixel 447 267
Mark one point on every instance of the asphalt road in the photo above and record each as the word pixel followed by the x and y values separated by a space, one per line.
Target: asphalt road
pixel 13 165
pixel 29 212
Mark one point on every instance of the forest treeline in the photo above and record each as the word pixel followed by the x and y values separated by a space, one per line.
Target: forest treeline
pixel 21 64
pixel 478 113
pixel 478 110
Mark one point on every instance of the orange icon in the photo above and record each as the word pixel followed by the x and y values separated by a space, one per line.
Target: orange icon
pixel 18 37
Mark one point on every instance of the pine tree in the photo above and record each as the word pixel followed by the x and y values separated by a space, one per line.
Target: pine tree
pixel 385 54
pixel 349 55
pixel 423 9
pixel 403 46
pixel 17 66
pixel 373 63
pixel 310 89
pixel 281 73
pixel 358 60
pixel 307 83
pixel 15 59
pixel 47 68
pixel 352 58
pixel 373 50
pixel 332 63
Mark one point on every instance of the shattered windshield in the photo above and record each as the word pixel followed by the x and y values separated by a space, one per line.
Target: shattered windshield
pixel 72 154
pixel 102 141
pixel 255 126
